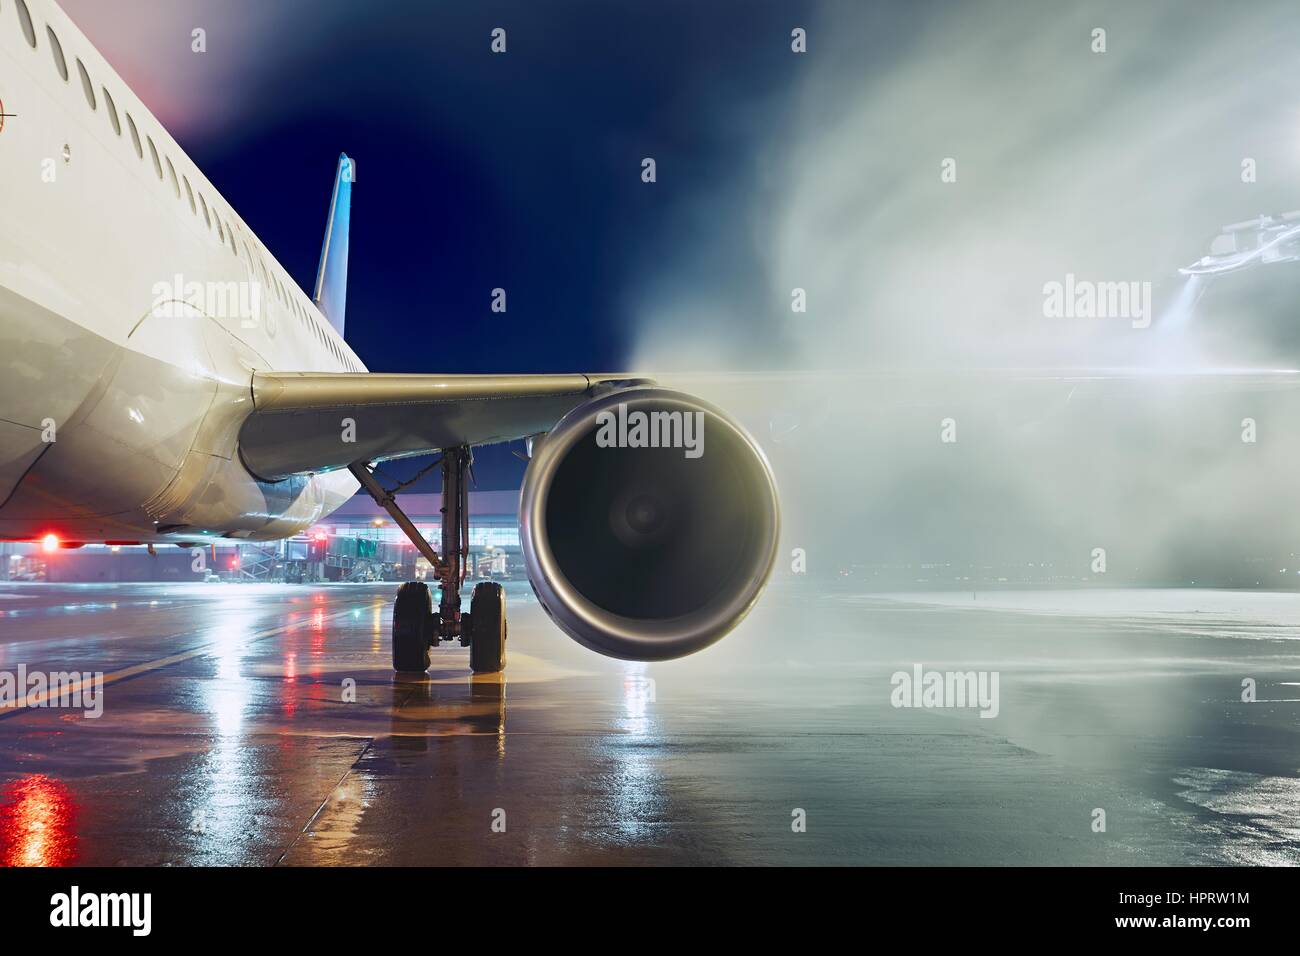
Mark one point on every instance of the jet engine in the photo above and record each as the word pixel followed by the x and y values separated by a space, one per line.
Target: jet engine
pixel 649 523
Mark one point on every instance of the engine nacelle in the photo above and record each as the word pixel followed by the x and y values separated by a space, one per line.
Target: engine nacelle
pixel 649 524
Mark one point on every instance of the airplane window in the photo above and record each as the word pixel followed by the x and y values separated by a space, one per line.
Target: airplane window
pixel 171 173
pixel 135 136
pixel 25 18
pixel 204 204
pixel 56 51
pixel 112 111
pixel 153 151
pixel 189 193
pixel 86 86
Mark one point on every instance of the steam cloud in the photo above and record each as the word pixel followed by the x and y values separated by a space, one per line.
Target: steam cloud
pixel 1111 167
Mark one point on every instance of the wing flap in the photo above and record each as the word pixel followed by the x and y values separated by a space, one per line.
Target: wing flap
pixel 307 422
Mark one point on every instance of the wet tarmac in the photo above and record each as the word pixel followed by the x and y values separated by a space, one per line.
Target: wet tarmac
pixel 261 725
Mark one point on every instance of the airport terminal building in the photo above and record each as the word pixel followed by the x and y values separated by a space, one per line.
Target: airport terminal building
pixel 359 542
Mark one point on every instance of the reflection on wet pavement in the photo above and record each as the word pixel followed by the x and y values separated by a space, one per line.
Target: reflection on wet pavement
pixel 263 725
pixel 37 823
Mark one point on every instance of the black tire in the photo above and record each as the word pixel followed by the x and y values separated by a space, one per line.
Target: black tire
pixel 487 615
pixel 412 612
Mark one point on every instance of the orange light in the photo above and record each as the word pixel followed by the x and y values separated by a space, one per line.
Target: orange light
pixel 50 543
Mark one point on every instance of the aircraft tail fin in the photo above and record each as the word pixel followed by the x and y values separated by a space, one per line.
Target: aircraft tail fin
pixel 331 291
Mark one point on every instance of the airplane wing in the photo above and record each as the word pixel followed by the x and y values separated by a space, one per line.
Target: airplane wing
pixel 306 422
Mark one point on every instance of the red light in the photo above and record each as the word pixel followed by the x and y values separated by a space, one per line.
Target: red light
pixel 234 562
pixel 37 823
pixel 50 543
pixel 320 536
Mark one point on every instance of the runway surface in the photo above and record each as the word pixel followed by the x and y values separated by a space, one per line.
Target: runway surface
pixel 261 725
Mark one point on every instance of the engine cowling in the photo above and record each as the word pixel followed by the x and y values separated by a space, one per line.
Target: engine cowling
pixel 649 523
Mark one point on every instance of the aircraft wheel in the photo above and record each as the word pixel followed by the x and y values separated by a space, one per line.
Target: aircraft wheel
pixel 412 614
pixel 487 615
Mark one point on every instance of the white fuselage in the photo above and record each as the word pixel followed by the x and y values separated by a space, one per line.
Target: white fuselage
pixel 119 404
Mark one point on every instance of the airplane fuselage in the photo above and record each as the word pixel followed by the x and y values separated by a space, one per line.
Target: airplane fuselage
pixel 135 306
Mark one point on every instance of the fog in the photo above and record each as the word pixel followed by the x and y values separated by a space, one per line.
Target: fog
pixel 1071 165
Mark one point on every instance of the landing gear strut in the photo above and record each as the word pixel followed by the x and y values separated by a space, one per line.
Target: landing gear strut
pixel 416 625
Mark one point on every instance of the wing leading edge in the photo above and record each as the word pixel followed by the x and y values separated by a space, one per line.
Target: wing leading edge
pixel 306 422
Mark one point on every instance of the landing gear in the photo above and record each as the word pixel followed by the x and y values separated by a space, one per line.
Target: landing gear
pixel 487 626
pixel 416 626
pixel 412 617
